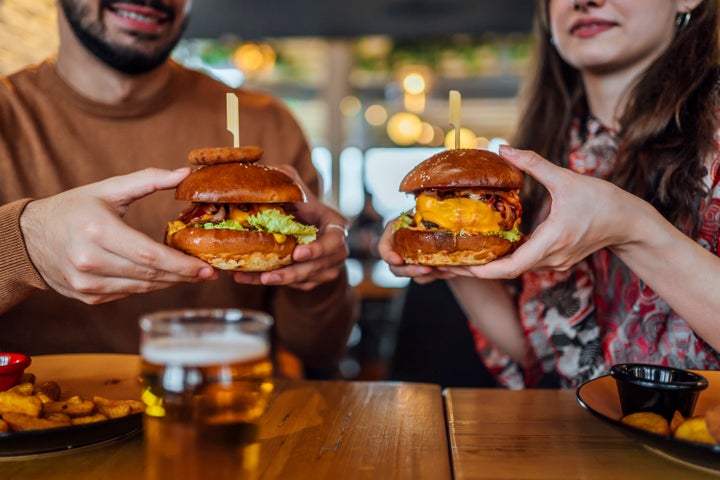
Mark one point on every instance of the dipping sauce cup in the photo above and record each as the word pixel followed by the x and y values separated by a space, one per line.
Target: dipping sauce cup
pixel 12 367
pixel 654 388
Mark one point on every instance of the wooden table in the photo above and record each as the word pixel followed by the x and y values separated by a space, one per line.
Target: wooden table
pixel 312 430
pixel 544 434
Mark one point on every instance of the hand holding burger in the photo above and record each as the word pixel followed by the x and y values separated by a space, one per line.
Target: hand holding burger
pixel 239 216
pixel 467 210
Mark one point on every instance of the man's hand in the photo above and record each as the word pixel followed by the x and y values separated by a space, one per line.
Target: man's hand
pixel 314 263
pixel 79 243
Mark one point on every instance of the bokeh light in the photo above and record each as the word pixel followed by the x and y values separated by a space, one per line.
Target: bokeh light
pixel 404 128
pixel 376 115
pixel 350 106
pixel 467 139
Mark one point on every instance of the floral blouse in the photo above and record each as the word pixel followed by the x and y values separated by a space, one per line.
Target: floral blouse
pixel 599 313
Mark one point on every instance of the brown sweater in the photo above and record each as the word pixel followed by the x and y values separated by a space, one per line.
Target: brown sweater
pixel 53 139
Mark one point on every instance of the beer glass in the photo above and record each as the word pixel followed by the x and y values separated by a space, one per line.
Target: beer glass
pixel 207 376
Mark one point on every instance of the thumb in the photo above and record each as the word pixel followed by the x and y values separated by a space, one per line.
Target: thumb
pixel 530 162
pixel 125 189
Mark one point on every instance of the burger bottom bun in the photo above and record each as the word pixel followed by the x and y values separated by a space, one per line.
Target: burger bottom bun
pixel 235 250
pixel 442 249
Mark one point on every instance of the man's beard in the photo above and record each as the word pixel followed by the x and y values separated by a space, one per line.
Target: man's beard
pixel 124 59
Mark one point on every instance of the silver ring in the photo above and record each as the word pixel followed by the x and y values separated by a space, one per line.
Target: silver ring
pixel 336 226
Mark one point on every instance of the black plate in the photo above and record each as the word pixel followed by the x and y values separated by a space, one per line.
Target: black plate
pixel 599 397
pixel 107 375
pixel 37 442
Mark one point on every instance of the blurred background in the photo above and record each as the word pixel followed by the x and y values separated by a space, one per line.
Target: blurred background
pixel 368 80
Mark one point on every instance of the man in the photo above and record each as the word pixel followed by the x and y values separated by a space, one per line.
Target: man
pixel 111 104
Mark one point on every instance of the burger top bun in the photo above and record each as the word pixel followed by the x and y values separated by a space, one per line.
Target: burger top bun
pixel 239 183
pixel 462 168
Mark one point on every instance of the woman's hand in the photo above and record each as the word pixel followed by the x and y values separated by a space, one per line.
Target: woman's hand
pixel 83 250
pixel 586 214
pixel 419 273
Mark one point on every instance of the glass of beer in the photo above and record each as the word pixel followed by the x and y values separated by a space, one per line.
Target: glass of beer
pixel 207 376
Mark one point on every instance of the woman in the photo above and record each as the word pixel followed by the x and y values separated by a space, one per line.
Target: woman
pixel 620 148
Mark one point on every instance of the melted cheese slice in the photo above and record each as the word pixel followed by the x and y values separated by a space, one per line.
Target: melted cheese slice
pixel 238 215
pixel 457 214
pixel 173 228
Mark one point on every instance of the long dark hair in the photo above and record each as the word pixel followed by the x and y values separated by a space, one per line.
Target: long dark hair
pixel 666 131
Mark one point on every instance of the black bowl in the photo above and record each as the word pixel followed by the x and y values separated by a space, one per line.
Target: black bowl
pixel 654 388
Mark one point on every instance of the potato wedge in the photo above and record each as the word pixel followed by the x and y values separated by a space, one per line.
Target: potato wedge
pixel 50 390
pixel 73 407
pixel 95 417
pixel 712 419
pixel 676 421
pixel 11 402
pixel 648 421
pixel 20 422
pixel 22 389
pixel 694 430
pixel 117 408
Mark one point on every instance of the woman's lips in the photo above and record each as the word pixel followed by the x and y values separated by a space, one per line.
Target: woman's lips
pixel 590 27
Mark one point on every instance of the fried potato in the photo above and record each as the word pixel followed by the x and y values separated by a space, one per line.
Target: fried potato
pixel 58 417
pixel 73 407
pixel 22 389
pixel 117 408
pixel 28 406
pixel 50 390
pixel 20 422
pixel 712 419
pixel 648 421
pixel 676 421
pixel 694 430
pixel 95 417
pixel 11 402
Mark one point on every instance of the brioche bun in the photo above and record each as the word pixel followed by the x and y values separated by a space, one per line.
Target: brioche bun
pixel 239 183
pixel 462 168
pixel 242 187
pixel 444 249
pixel 450 175
pixel 235 250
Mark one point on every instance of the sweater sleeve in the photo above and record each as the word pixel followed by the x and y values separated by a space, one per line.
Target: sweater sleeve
pixel 18 276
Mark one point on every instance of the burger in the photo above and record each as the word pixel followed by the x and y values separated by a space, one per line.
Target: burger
pixel 239 217
pixel 467 210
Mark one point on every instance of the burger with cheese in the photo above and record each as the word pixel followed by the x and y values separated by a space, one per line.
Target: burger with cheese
pixel 239 217
pixel 467 210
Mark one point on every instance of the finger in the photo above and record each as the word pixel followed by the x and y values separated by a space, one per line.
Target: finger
pixel 247 278
pixel 530 162
pixel 385 247
pixel 527 257
pixel 410 270
pixel 319 271
pixel 330 243
pixel 119 288
pixel 146 258
pixel 125 189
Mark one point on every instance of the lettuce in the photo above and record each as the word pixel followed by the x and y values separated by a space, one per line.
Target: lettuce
pixel 225 224
pixel 403 221
pixel 273 221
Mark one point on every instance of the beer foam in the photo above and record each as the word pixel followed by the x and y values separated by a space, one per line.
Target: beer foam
pixel 206 350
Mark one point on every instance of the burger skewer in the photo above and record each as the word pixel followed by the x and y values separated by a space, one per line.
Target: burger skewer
pixel 455 105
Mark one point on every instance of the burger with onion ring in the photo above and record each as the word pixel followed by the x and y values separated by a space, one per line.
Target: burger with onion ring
pixel 240 216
